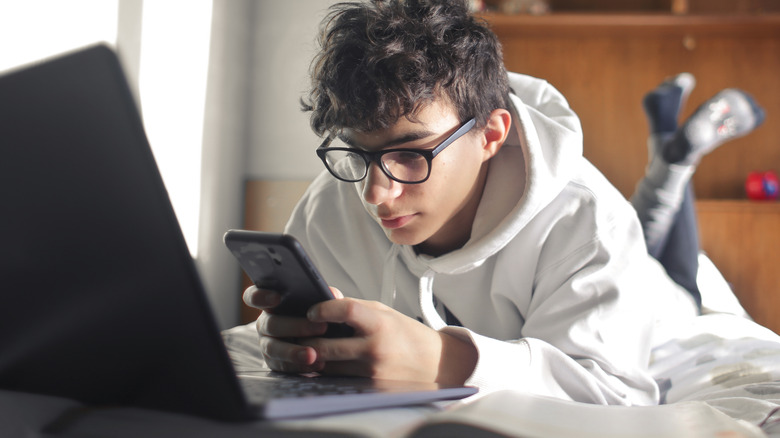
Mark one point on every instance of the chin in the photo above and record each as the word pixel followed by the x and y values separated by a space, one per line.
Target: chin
pixel 401 237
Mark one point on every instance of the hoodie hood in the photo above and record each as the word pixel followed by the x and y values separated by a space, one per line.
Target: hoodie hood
pixel 539 154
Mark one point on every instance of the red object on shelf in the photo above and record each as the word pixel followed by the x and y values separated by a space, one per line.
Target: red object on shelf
pixel 762 185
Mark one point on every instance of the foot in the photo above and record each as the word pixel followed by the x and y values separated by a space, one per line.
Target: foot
pixel 730 114
pixel 663 104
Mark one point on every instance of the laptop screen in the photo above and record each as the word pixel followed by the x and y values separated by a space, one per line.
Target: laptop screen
pixel 100 299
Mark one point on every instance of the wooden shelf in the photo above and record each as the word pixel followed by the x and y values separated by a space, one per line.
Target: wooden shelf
pixel 651 24
pixel 739 205
pixel 742 238
pixel 604 63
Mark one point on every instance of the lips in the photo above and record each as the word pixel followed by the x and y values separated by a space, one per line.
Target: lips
pixel 396 222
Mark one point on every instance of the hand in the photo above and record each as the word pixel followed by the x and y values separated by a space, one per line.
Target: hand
pixel 278 334
pixel 387 345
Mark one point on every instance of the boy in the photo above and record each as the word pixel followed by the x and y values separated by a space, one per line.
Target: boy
pixel 467 237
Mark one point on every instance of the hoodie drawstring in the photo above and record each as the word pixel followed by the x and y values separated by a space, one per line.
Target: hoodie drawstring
pixel 388 276
pixel 430 315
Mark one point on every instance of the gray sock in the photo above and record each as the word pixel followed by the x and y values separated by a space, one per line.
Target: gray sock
pixel 730 114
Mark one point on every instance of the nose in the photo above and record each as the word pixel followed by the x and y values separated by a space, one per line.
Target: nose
pixel 378 188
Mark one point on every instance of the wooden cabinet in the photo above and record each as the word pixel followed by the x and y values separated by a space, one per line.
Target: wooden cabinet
pixel 743 240
pixel 605 55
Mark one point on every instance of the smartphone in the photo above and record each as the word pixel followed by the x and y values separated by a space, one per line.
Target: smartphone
pixel 278 262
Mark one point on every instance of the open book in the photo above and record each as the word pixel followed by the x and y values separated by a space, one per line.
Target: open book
pixel 516 414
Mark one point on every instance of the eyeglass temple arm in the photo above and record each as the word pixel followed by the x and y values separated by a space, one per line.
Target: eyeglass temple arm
pixel 466 127
pixel 328 140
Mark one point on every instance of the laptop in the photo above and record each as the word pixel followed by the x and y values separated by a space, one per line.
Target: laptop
pixel 100 300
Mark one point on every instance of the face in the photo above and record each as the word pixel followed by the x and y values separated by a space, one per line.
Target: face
pixel 437 214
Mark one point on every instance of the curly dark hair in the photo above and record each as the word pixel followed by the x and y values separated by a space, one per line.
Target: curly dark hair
pixel 384 59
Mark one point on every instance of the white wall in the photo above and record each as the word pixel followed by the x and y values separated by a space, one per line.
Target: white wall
pixel 254 129
pixel 32 30
pixel 282 143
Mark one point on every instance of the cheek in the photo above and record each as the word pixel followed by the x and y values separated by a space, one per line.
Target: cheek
pixel 451 183
pixel 458 170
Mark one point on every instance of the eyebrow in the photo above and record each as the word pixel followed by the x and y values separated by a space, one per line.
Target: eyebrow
pixel 402 139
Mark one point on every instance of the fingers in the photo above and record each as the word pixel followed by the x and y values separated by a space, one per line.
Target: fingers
pixel 386 344
pixel 363 316
pixel 278 326
pixel 343 356
pixel 265 299
pixel 278 337
pixel 340 349
pixel 288 357
pixel 294 345
pixel 261 298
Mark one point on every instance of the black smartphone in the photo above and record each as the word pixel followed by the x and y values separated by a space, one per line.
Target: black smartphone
pixel 278 262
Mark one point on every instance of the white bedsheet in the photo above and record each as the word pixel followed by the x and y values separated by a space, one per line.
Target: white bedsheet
pixel 727 361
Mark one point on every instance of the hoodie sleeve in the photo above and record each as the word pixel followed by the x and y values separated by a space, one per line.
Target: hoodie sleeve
pixel 535 366
pixel 578 344
pixel 587 331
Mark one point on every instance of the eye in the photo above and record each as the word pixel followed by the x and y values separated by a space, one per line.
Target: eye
pixel 403 158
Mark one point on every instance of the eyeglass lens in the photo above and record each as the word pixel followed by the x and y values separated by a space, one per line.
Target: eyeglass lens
pixel 407 166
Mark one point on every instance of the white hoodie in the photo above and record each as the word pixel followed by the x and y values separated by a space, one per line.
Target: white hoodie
pixel 554 288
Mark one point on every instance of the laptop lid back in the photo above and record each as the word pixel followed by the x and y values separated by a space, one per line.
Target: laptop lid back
pixel 99 297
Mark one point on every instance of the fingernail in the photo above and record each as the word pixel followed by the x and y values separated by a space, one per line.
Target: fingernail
pixel 303 356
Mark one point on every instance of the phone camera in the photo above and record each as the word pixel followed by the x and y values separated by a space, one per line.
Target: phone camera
pixel 275 257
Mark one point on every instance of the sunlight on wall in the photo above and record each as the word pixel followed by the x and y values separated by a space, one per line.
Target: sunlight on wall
pixel 34 29
pixel 172 78
pixel 172 84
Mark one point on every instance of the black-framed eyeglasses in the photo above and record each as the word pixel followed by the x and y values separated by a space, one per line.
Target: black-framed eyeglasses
pixel 407 166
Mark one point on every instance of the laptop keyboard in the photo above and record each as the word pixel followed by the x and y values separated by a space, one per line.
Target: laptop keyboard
pixel 282 396
pixel 280 385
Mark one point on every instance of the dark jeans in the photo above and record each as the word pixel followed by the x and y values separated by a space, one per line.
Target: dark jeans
pixel 679 253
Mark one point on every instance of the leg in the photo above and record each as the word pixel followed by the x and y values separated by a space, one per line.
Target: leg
pixel 658 198
pixel 661 192
pixel 664 197
pixel 680 255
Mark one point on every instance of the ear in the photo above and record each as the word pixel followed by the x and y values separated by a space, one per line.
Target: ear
pixel 496 132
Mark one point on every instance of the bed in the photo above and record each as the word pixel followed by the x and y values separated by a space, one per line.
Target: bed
pixel 721 361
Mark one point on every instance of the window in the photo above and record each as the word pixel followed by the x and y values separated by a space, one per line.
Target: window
pixel 174 47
